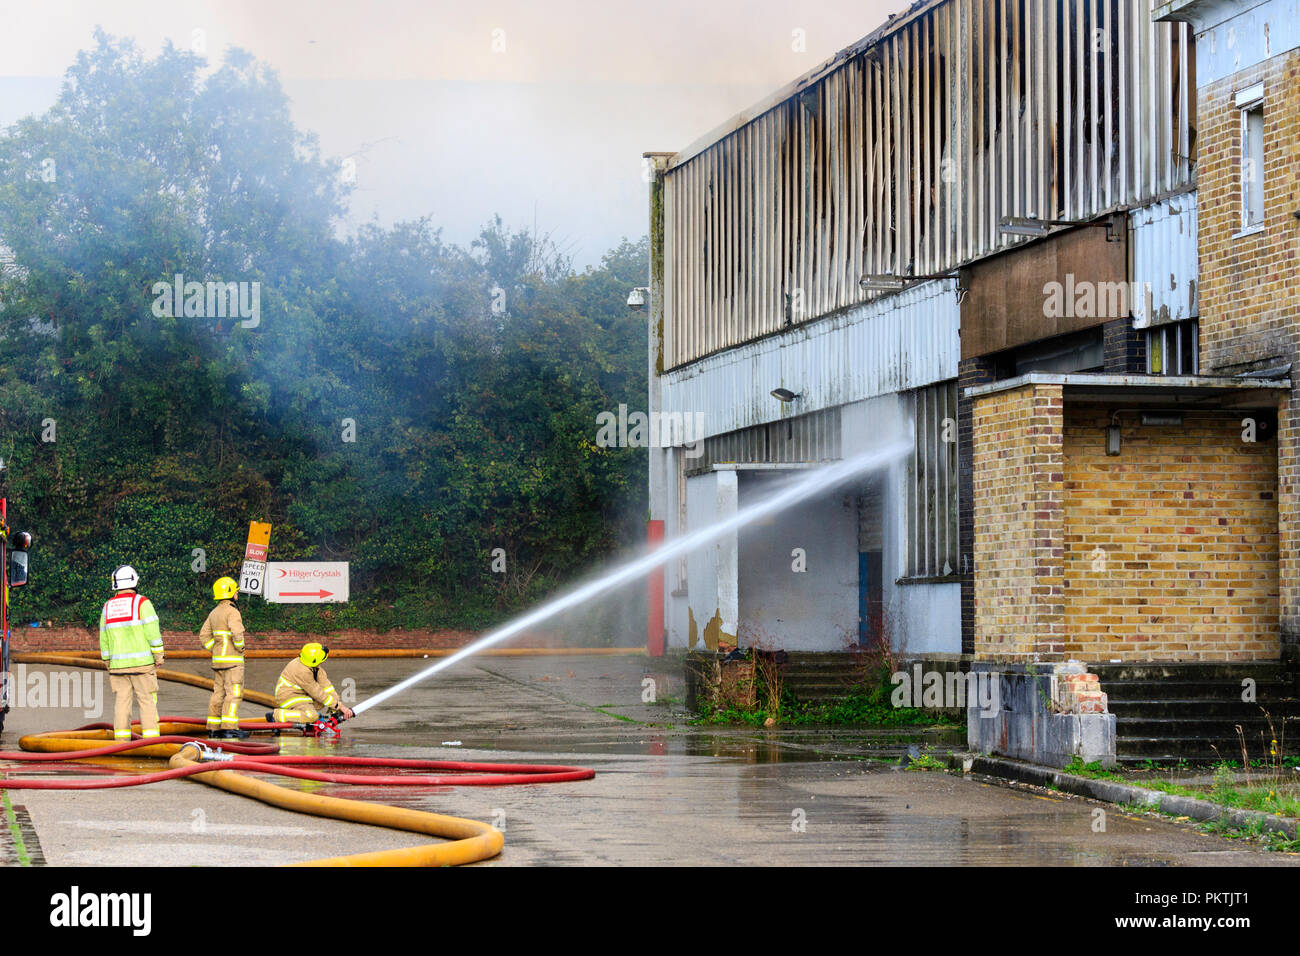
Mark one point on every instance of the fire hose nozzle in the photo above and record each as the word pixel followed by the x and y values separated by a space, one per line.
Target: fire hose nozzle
pixel 208 754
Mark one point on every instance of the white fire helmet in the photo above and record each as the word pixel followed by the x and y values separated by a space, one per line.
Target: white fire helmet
pixel 125 578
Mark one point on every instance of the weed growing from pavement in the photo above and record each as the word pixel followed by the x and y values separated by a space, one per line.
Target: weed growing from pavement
pixel 867 704
pixel 1252 832
pixel 1093 770
pixel 855 709
pixel 1267 784
pixel 1168 786
pixel 927 761
pixel 608 713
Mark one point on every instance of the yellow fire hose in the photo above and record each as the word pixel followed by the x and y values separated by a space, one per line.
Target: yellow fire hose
pixel 471 840
pixel 179 677
pixel 260 653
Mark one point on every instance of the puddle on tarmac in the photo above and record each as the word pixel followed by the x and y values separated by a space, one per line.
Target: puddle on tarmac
pixel 745 745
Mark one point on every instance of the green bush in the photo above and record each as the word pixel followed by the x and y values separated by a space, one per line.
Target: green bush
pixel 473 426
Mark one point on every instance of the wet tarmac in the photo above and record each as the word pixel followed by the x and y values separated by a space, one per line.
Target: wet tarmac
pixel 665 792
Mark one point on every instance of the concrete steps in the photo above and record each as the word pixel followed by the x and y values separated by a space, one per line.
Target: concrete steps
pixel 815 678
pixel 1190 712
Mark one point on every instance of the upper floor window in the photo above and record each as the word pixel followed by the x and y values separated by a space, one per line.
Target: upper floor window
pixel 1172 349
pixel 1251 104
pixel 932 484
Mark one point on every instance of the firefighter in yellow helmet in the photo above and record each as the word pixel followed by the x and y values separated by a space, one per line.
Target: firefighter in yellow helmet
pixel 304 691
pixel 223 634
pixel 131 644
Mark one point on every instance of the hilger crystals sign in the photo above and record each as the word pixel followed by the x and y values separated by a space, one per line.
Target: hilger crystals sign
pixel 306 582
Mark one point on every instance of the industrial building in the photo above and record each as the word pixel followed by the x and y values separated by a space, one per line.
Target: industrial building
pixel 980 225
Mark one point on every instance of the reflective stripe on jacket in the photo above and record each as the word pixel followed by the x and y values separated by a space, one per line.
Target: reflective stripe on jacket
pixel 223 634
pixel 296 684
pixel 129 635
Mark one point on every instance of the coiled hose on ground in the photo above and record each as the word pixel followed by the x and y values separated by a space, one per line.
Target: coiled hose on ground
pixel 470 840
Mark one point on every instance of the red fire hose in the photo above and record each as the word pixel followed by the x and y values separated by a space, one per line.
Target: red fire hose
pixel 265 758
pixel 470 841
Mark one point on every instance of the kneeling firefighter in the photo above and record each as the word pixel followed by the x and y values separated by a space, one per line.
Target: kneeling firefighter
pixel 304 691
pixel 223 634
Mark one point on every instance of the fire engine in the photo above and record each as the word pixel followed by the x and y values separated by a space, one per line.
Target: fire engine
pixel 13 574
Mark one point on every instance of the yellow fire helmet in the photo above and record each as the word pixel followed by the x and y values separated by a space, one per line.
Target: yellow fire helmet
pixel 223 588
pixel 313 654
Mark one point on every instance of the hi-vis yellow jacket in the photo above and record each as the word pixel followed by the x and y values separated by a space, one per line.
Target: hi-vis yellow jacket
pixel 223 634
pixel 297 685
pixel 129 635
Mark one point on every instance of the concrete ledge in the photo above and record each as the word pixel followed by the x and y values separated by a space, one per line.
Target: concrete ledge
pixel 1110 791
pixel 1029 720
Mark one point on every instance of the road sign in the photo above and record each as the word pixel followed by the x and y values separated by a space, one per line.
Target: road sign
pixel 253 572
pixel 307 582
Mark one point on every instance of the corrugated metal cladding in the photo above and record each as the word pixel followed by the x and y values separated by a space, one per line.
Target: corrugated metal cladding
pixel 808 438
pixel 1247 38
pixel 1164 255
pixel 902 341
pixel 902 159
pixel 932 484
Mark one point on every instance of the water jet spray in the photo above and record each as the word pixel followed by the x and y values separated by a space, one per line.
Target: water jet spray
pixel 792 493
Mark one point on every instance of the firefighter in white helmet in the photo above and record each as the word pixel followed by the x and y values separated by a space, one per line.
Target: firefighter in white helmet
pixel 223 634
pixel 131 644
pixel 304 690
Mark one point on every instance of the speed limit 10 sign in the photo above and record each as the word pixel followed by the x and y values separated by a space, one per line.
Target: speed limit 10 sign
pixel 253 574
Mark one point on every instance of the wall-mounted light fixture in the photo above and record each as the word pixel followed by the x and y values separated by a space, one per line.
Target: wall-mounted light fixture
pixel 1031 226
pixel 888 282
pixel 1162 418
pixel 636 299
pixel 1112 439
pixel 1156 418
pixel 784 395
pixel 881 283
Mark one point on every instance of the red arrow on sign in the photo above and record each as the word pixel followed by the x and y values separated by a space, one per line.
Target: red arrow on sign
pixel 319 594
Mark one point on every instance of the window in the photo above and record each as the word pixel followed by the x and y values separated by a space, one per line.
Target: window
pixel 932 484
pixel 1081 352
pixel 1251 104
pixel 1171 349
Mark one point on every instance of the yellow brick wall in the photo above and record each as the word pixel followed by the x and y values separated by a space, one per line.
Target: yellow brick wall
pixel 1017 474
pixel 1250 285
pixel 1171 546
pixel 1166 552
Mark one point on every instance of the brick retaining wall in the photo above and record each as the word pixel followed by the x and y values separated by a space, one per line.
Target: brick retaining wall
pixel 50 639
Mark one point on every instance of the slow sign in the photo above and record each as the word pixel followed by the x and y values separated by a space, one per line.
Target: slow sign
pixel 254 569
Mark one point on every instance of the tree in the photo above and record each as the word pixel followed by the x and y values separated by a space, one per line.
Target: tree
pixel 400 403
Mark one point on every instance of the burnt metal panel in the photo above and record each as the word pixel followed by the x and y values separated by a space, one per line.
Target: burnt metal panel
pixel 902 153
pixel 1009 299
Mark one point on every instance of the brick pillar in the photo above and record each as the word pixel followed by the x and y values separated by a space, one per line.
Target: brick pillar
pixel 1124 348
pixel 970 372
pixel 1288 526
pixel 1018 481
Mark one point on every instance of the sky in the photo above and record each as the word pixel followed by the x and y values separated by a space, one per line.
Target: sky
pixel 538 111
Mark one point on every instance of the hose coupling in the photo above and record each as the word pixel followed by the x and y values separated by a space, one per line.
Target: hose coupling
pixel 208 754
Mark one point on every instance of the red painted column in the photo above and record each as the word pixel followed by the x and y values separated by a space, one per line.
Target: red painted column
pixel 654 644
